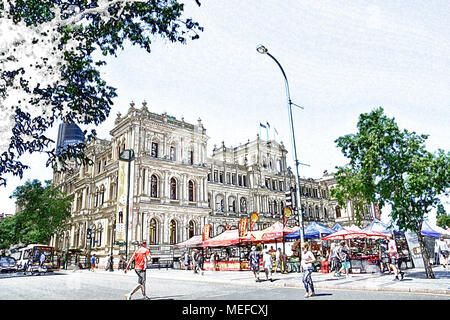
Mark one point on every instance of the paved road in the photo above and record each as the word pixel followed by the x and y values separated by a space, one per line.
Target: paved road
pixel 105 286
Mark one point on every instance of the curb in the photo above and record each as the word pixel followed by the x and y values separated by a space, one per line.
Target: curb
pixel 299 285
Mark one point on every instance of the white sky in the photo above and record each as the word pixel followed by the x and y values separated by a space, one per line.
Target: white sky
pixel 341 59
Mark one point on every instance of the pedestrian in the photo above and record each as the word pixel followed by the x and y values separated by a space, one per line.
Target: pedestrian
pixel 141 257
pixel 92 263
pixel 186 260
pixel 268 264
pixel 344 259
pixel 333 260
pixel 306 267
pixel 394 258
pixel 195 260
pixel 254 258
pixel 215 259
pixel 111 262
pixel 443 251
pixel 41 260
pixel 383 256
pixel 58 262
pixel 278 263
pixel 200 261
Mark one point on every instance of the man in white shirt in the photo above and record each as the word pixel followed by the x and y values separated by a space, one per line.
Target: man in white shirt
pixel 267 262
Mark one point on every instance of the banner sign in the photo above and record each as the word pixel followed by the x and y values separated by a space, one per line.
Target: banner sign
pixel 376 211
pixel 287 212
pixel 206 232
pixel 254 217
pixel 243 227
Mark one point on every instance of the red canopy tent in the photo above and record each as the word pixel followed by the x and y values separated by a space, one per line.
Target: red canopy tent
pixel 226 238
pixel 347 234
pixel 273 232
pixel 195 241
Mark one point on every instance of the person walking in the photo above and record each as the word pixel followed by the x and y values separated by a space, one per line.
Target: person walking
pixel 92 263
pixel 186 261
pixel 254 258
pixel 278 260
pixel 383 256
pixel 111 263
pixel 141 257
pixel 306 267
pixel 200 261
pixel 344 259
pixel 394 258
pixel 268 264
pixel 443 251
pixel 195 260
pixel 333 260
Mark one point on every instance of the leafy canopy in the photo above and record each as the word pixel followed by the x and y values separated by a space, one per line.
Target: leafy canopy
pixel 391 166
pixel 48 72
pixel 43 212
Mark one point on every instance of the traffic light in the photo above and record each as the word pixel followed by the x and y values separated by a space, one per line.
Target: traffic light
pixel 291 198
pixel 88 233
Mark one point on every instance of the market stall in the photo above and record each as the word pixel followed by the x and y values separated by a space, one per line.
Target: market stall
pixel 363 248
pixel 227 251
pixel 405 260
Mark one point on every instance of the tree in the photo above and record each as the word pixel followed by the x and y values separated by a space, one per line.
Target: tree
pixel 390 166
pixel 47 69
pixel 442 218
pixel 43 212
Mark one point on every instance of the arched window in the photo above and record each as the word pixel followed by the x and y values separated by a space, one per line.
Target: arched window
pixel 173 189
pixel 191 231
pixel 98 236
pixel 231 204
pixel 154 186
pixel 317 213
pixel 191 190
pixel 173 232
pixel 243 205
pixel 154 152
pixel 219 203
pixel 153 232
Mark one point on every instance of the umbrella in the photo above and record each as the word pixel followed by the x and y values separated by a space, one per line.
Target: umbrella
pixel 345 235
pixel 375 234
pixel 353 228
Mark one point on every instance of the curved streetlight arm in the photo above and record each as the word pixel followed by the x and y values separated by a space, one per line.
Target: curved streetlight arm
pixel 300 209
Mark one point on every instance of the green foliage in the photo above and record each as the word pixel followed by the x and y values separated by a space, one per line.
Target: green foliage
pixel 442 218
pixel 391 166
pixel 43 211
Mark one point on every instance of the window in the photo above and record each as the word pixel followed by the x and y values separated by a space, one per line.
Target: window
pixel 191 157
pixel 221 177
pixel 173 232
pixel 154 186
pixel 173 189
pixel 215 176
pixel 231 204
pixel 102 195
pixel 154 151
pixel 228 178
pixel 191 190
pixel 153 231
pixel 243 205
pixel 240 180
pixel 338 212
pixel 172 153
pixel 233 179
pixel 191 231
pixel 244 180
pixel 219 203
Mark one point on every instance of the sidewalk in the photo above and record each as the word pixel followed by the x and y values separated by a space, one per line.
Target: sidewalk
pixel 414 281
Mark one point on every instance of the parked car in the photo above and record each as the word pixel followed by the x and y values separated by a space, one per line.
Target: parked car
pixel 8 264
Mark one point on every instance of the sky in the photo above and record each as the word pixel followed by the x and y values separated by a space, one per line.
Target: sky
pixel 341 58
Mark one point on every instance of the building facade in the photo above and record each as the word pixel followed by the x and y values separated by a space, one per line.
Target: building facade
pixel 176 189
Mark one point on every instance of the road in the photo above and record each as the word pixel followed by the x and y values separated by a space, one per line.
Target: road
pixel 104 286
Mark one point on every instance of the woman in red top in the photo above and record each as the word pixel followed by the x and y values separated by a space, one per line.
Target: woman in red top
pixel 141 257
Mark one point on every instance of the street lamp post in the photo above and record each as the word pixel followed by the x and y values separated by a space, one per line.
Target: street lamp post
pixel 128 156
pixel 263 50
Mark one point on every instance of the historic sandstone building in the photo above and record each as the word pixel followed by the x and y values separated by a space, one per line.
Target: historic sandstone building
pixel 176 189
